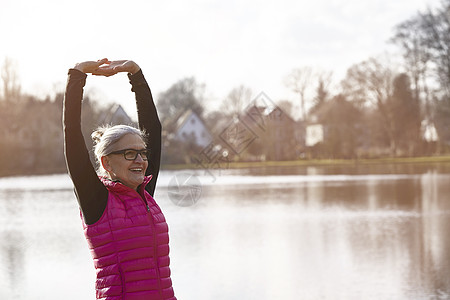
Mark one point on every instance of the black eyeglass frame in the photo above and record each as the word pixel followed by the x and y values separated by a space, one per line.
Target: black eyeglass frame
pixel 144 153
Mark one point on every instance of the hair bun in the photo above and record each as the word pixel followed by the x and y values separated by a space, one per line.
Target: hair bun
pixel 97 134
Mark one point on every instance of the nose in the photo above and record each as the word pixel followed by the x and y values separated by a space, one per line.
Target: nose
pixel 139 158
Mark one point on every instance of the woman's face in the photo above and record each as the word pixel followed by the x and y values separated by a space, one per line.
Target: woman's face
pixel 129 172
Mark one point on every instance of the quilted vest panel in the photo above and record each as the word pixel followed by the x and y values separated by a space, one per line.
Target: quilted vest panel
pixel 130 246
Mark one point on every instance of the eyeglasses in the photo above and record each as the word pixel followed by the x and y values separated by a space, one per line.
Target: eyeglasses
pixel 131 154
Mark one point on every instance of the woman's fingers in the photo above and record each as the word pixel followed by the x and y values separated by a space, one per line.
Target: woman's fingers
pixel 112 68
pixel 91 66
pixel 126 66
pixel 107 68
pixel 104 71
pixel 103 61
pixel 99 70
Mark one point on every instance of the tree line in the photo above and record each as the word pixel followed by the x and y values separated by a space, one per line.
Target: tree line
pixel 31 130
pixel 378 108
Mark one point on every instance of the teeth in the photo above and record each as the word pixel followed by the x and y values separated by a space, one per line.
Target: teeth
pixel 136 170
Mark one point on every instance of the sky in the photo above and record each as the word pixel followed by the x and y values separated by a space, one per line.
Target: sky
pixel 223 44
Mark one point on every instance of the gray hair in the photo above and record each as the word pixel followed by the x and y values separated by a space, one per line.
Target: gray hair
pixel 106 136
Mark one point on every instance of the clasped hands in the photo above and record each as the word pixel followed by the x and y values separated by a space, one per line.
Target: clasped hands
pixel 104 67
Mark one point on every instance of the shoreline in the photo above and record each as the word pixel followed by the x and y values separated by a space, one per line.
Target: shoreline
pixel 316 162
pixel 291 163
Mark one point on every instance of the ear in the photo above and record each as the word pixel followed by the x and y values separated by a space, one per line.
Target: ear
pixel 106 163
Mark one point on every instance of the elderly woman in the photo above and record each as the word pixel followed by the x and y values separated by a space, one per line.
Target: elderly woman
pixel 124 226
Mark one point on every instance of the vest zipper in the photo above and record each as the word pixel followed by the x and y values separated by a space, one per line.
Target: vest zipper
pixel 142 195
pixel 155 250
pixel 155 242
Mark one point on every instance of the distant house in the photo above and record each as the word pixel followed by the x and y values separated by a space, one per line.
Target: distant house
pixel 189 127
pixel 429 132
pixel 284 134
pixel 314 133
pixel 279 137
pixel 116 115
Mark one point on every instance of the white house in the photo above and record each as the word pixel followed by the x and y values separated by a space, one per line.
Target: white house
pixel 314 134
pixel 429 132
pixel 189 127
pixel 116 115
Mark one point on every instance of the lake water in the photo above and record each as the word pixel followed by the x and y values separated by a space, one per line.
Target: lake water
pixel 362 232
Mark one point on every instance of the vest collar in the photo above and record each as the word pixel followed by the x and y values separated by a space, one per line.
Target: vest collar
pixel 118 186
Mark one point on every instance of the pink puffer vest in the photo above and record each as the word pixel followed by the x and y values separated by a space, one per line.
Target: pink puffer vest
pixel 130 246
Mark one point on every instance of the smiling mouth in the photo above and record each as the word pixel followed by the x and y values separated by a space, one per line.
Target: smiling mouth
pixel 136 170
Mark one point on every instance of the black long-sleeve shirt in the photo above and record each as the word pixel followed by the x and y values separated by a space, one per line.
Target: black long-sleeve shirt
pixel 91 194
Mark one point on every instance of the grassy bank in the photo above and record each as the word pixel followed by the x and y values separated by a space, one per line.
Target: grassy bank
pixel 316 162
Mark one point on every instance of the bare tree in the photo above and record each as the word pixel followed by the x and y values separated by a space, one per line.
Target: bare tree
pixel 236 101
pixel 11 86
pixel 370 85
pixel 299 81
pixel 183 95
pixel 436 27
pixel 417 57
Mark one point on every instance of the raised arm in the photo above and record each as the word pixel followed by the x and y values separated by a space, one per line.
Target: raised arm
pixel 149 122
pixel 91 194
pixel 147 114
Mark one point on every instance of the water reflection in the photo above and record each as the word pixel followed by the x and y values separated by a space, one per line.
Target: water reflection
pixel 377 232
pixel 40 244
pixel 353 238
pixel 434 249
pixel 12 246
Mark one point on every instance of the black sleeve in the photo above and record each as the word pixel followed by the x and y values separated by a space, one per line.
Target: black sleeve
pixel 92 195
pixel 149 122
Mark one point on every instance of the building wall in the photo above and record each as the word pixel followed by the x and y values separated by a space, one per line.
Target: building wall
pixel 193 127
pixel 314 134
